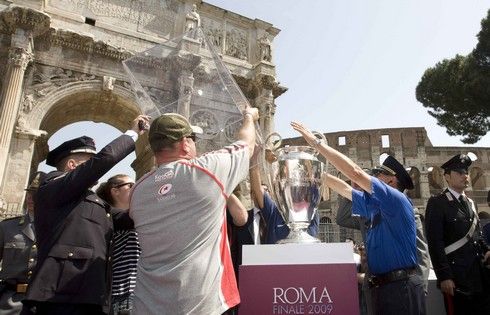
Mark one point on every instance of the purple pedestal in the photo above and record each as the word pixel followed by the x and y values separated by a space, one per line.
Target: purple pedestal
pixel 313 283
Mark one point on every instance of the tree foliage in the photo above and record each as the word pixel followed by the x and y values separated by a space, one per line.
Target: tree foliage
pixel 457 91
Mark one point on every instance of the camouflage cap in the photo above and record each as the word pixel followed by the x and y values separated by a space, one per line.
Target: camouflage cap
pixel 171 127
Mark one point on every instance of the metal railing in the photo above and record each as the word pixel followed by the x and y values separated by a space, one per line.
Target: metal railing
pixel 333 233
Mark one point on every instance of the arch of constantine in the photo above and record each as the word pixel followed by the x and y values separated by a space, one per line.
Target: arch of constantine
pixel 61 62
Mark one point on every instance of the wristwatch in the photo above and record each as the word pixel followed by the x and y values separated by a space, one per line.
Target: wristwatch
pixel 318 141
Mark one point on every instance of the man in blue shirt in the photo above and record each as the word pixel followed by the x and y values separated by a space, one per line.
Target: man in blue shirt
pixel 391 234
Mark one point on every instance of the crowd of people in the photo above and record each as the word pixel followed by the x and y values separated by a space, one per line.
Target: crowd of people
pixel 171 242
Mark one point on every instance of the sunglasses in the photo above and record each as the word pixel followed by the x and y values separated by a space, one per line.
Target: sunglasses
pixel 192 136
pixel 130 184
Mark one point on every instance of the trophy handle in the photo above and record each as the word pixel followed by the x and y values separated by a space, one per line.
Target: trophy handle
pixel 271 144
pixel 273 141
pixel 320 136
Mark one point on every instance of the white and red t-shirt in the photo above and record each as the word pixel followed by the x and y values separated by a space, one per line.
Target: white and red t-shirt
pixel 179 213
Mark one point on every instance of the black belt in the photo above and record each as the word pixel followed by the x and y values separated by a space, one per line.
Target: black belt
pixel 19 287
pixel 392 276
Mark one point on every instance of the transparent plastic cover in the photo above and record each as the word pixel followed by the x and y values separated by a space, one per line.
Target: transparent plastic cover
pixel 185 75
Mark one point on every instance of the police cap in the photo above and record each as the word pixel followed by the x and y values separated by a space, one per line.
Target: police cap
pixel 459 163
pixel 392 167
pixel 82 144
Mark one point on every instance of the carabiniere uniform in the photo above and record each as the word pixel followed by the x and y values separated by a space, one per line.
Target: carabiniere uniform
pixel 18 257
pixel 461 265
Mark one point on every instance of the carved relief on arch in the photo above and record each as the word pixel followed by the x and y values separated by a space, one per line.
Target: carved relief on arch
pixel 214 31
pixel 237 43
pixel 46 79
pixel 23 125
pixel 477 178
pixel 264 52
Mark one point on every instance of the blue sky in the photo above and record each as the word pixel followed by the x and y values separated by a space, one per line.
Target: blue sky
pixel 354 64
pixel 350 64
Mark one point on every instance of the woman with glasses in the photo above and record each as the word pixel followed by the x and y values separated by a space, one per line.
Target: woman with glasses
pixel 126 250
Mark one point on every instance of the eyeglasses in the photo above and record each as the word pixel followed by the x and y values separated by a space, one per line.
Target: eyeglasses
pixel 130 184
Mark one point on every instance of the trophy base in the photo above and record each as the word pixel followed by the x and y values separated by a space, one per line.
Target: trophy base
pixel 298 236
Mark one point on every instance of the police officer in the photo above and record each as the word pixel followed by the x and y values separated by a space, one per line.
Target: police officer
pixel 396 286
pixel 74 228
pixel 18 252
pixel 455 246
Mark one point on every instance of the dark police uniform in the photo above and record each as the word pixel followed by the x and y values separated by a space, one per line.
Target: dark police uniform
pixel 74 228
pixel 447 221
pixel 18 255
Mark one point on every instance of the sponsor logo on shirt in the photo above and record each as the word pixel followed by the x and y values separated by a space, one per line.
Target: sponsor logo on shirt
pixel 166 198
pixel 165 176
pixel 164 189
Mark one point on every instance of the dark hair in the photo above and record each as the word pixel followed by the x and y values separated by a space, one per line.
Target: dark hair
pixel 104 189
pixel 60 166
pixel 483 215
pixel 163 144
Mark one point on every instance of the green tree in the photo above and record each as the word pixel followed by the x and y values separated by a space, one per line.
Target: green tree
pixel 457 91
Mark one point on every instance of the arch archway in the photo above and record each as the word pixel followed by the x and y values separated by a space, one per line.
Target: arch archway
pixel 477 177
pixel 415 175
pixel 66 104
pixel 82 101
pixel 436 179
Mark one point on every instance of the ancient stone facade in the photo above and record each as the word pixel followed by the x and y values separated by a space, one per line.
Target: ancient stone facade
pixel 62 63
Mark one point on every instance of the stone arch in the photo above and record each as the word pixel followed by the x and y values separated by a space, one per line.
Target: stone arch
pixel 436 179
pixel 415 175
pixel 82 100
pixel 477 178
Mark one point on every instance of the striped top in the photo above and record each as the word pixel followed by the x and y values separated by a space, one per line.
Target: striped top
pixel 125 260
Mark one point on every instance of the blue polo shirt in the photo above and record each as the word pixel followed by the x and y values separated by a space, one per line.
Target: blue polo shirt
pixel 276 228
pixel 391 235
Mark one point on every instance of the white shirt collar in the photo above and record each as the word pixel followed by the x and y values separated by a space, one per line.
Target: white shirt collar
pixel 455 193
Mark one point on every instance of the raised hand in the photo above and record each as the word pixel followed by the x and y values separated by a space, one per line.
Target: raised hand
pixel 305 132
pixel 141 124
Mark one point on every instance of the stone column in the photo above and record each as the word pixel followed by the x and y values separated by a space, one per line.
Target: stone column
pixel 12 89
pixel 265 103
pixel 22 24
pixel 186 84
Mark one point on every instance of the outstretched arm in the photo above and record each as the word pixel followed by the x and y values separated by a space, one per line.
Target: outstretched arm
pixel 338 160
pixel 339 186
pixel 256 186
pixel 237 210
pixel 247 131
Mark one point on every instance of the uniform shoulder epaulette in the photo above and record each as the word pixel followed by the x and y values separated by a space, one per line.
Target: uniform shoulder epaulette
pixel 54 175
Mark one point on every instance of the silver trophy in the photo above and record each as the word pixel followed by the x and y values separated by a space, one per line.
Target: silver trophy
pixel 295 176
